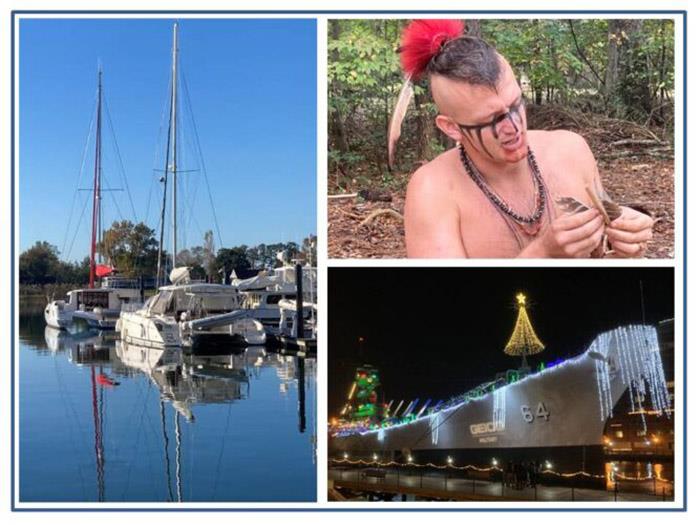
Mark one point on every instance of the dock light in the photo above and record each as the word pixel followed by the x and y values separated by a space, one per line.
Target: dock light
pixel 494 462
pixel 616 468
pixel 449 460
pixel 410 458
pixel 647 442
pixel 345 455
pixel 375 457
pixel 548 465
pixel 655 439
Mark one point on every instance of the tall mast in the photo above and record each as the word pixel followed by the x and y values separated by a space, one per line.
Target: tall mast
pixel 173 120
pixel 96 197
pixel 170 166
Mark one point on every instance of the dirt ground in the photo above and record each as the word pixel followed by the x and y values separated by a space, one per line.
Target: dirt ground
pixel 636 168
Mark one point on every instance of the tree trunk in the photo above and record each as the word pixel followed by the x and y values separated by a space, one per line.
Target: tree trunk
pixel 338 135
pixel 472 27
pixel 425 131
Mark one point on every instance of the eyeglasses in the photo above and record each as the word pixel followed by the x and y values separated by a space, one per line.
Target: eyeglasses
pixel 513 115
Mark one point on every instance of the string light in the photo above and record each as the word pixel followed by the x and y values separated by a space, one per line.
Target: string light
pixel 435 422
pixel 635 351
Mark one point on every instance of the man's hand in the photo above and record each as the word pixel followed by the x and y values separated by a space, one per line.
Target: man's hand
pixel 629 233
pixel 575 236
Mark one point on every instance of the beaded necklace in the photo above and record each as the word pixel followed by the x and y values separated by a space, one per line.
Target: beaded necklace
pixel 529 224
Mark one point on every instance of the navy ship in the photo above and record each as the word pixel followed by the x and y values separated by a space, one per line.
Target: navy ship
pixel 558 411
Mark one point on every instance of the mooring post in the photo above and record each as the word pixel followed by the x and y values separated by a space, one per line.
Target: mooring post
pixel 300 302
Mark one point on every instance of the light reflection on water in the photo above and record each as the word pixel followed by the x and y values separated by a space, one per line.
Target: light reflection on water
pixel 104 421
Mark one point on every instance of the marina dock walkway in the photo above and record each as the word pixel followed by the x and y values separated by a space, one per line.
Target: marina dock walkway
pixel 437 485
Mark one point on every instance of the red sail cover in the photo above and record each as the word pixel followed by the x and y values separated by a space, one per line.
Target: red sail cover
pixel 102 270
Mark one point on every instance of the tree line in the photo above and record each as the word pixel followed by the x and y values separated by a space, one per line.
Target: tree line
pixel 133 250
pixel 620 68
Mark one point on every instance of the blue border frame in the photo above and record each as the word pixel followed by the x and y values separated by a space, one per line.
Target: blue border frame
pixel 311 508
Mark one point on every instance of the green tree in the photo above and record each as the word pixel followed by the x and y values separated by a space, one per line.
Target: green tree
pixel 131 248
pixel 39 264
pixel 229 259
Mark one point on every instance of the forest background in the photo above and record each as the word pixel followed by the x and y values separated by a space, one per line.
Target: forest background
pixel 612 81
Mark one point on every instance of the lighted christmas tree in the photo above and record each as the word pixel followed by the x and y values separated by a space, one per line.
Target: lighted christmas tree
pixel 523 341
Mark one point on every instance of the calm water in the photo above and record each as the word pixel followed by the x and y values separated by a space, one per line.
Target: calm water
pixel 102 421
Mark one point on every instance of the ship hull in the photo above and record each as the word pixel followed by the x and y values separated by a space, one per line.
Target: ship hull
pixel 566 405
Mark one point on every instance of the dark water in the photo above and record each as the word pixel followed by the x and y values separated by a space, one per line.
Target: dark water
pixel 102 421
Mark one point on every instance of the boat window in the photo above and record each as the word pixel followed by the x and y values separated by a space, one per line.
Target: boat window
pixel 273 299
pixel 161 302
pixel 93 299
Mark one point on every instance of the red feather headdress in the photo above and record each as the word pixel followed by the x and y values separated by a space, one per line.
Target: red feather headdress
pixel 422 40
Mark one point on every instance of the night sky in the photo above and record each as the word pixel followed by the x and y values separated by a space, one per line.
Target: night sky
pixel 436 332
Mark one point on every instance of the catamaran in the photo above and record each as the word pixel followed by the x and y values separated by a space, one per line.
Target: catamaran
pixel 186 313
pixel 98 307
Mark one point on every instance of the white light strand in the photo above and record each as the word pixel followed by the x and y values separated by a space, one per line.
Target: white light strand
pixel 641 369
pixel 435 422
pixel 499 409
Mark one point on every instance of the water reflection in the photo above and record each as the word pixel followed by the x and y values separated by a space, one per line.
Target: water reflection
pixel 160 425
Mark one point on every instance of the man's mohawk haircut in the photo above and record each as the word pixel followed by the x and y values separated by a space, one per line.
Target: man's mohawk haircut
pixel 422 40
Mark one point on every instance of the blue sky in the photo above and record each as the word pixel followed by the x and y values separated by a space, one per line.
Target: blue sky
pixel 252 88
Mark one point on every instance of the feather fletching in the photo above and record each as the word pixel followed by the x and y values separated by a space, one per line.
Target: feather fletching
pixel 394 132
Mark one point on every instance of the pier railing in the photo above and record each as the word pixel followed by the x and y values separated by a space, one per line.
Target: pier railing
pixel 451 484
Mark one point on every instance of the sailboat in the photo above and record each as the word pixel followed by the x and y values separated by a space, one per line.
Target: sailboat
pixel 98 307
pixel 186 313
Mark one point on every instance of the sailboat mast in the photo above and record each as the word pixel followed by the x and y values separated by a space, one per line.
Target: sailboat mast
pixel 173 120
pixel 96 197
pixel 170 166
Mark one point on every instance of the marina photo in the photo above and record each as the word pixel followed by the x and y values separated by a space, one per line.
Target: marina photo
pixel 168 311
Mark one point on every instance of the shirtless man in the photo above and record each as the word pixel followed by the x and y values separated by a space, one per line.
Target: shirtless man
pixel 495 194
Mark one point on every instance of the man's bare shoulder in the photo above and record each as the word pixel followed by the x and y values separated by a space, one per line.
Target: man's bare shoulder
pixel 560 142
pixel 434 179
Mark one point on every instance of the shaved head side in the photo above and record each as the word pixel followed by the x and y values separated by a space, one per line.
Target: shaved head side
pixel 468 59
pixel 448 90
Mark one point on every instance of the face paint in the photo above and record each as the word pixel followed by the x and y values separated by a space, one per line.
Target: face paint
pixel 513 115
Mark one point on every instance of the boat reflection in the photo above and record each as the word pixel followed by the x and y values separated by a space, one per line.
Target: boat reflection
pixel 184 381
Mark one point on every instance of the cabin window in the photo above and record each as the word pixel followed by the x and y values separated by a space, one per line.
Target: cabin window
pixel 273 299
pixel 619 434
pixel 93 299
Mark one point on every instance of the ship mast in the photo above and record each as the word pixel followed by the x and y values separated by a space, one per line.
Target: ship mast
pixel 97 193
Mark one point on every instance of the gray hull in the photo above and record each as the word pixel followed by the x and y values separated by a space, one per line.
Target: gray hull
pixel 566 405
